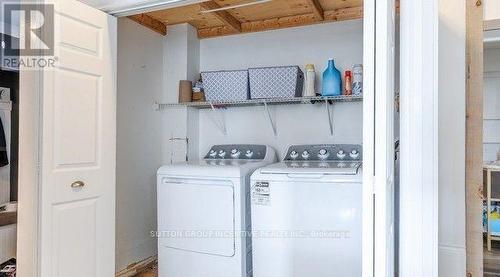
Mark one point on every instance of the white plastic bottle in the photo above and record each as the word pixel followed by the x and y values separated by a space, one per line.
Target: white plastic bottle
pixel 357 79
pixel 310 90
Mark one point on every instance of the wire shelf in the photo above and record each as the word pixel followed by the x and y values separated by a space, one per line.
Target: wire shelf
pixel 259 102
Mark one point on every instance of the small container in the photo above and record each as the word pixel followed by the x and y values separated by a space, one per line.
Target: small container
pixel 276 82
pixel 198 96
pixel 357 79
pixel 185 91
pixel 348 83
pixel 226 85
pixel 310 90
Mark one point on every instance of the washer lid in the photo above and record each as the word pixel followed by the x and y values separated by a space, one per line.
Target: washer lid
pixel 327 168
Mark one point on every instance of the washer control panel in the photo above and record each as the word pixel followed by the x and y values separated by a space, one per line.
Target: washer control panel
pixel 325 152
pixel 237 152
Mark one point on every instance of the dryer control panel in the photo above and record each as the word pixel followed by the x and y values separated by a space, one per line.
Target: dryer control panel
pixel 325 152
pixel 237 152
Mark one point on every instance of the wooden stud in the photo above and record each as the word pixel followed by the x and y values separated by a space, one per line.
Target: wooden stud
pixel 344 14
pixel 317 9
pixel 284 22
pixel 474 139
pixel 151 23
pixel 224 16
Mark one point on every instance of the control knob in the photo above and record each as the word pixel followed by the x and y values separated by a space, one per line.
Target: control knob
pixel 354 154
pixel 341 154
pixel 249 154
pixel 294 154
pixel 235 153
pixel 305 154
pixel 212 153
pixel 222 153
pixel 323 154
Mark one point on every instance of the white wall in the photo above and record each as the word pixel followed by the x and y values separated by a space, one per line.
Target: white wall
pixel 314 44
pixel 491 9
pixel 491 104
pixel 139 140
pixel 452 138
pixel 181 59
pixel 305 124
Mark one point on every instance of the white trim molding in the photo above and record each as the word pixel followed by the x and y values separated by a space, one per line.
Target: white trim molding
pixel 121 8
pixel 368 137
pixel 418 253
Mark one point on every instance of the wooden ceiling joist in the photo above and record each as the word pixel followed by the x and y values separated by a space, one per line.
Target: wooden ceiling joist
pixel 150 22
pixel 344 14
pixel 224 16
pixel 318 9
pixel 284 22
pixel 228 17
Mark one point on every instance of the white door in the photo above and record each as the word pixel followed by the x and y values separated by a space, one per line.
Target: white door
pixel 77 217
pixel 378 138
pixel 198 206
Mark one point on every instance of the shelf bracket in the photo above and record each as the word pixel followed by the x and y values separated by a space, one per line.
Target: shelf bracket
pixel 329 114
pixel 221 122
pixel 270 118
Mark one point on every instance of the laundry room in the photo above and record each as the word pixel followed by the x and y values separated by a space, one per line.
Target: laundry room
pixel 157 120
pixel 247 138
pixel 245 135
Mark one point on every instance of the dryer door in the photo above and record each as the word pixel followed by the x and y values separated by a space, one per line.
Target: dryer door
pixel 197 215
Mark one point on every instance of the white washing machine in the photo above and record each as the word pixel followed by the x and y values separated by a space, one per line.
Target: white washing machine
pixel 306 213
pixel 204 213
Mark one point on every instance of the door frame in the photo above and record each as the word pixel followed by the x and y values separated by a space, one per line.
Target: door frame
pixel 29 168
pixel 418 252
pixel 378 138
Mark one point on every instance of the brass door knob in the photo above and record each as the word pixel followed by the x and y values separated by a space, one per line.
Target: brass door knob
pixel 78 184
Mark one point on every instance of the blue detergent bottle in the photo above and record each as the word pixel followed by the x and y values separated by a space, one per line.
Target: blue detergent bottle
pixel 332 80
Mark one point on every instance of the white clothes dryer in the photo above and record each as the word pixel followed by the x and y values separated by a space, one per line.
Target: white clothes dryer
pixel 204 213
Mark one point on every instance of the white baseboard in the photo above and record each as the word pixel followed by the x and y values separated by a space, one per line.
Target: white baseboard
pixel 452 261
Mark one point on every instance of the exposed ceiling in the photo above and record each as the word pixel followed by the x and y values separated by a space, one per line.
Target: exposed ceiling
pixel 270 15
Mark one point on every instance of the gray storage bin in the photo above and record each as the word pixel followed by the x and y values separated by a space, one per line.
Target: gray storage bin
pixel 227 85
pixel 276 82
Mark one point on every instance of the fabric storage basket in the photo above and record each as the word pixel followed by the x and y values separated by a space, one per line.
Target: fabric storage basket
pixel 276 82
pixel 227 85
